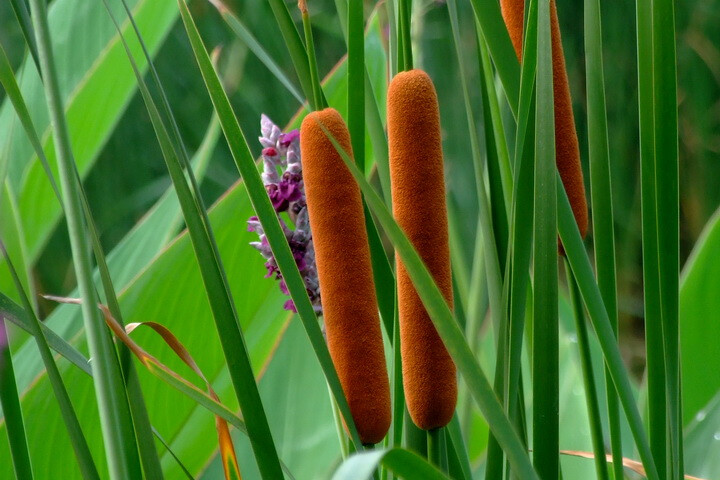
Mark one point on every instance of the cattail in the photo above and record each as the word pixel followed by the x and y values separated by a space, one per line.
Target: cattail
pixel 418 195
pixel 342 253
pixel 567 152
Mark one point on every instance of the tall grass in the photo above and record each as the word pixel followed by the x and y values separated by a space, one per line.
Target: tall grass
pixel 518 333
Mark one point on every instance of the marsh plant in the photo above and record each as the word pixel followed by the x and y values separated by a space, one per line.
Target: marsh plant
pixel 473 239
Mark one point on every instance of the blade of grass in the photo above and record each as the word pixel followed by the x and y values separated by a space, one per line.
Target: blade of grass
pixel 492 264
pixel 655 350
pixel 356 80
pixel 517 284
pixel 498 41
pixel 581 269
pixel 318 100
pixel 667 201
pixel 10 403
pixel 216 286
pixel 9 83
pixel 118 432
pixel 446 325
pixel 545 350
pixel 268 218
pixel 25 22
pixel 591 396
pixel 457 448
pixel 148 452
pixel 15 314
pixel 256 47
pixel 601 197
pixel 294 44
pixel 405 34
pixel 77 438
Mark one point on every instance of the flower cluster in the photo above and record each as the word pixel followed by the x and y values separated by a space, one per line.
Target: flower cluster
pixel 281 153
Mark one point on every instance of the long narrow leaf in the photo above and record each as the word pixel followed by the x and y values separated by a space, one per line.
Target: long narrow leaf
pixel 581 269
pixel 268 218
pixel 10 403
pixel 77 438
pixel 118 431
pixel 446 325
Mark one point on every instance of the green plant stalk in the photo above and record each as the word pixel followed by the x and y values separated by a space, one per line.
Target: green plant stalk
pixel 667 201
pixel 495 118
pixel 492 263
pixel 655 350
pixel 318 100
pixel 495 33
pixel 591 394
pixel 517 282
pixel 267 215
pixel 601 197
pixel 256 47
pixel 23 17
pixel 77 438
pixel 148 453
pixel 10 403
pixel 545 349
pixel 356 80
pixel 446 325
pixel 394 40
pixel 434 446
pixel 581 269
pixel 404 18
pixel 294 44
pixel 215 282
pixel 457 451
pixel 115 418
pixel 18 316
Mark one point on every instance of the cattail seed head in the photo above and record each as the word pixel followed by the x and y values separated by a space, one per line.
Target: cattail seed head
pixel 342 254
pixel 418 195
pixel 567 152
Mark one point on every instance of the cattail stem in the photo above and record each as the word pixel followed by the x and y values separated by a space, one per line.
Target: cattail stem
pixel 345 273
pixel 418 194
pixel 567 151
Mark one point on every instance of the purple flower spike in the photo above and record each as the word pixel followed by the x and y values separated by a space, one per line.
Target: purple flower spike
pixel 281 151
pixel 287 138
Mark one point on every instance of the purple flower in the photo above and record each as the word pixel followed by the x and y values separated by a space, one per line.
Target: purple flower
pixel 283 193
pixel 282 177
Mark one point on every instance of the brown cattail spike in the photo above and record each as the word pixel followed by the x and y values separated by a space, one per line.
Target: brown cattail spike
pixel 566 142
pixel 418 195
pixel 342 254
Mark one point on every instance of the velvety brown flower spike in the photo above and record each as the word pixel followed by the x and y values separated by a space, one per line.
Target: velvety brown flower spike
pixel 418 195
pixel 347 289
pixel 567 152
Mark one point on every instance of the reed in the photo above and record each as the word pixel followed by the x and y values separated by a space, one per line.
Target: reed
pixel 345 273
pixel 418 196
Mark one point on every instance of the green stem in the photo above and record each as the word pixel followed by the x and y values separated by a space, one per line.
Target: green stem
pixel 115 417
pixel 318 102
pixel 545 357
pixel 655 355
pixel 591 393
pixel 10 403
pixel 404 17
pixel 435 441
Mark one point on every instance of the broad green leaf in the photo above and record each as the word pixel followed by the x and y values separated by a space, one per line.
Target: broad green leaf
pixel 169 291
pixel 401 462
pixel 699 328
pixel 96 84
pixel 702 442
